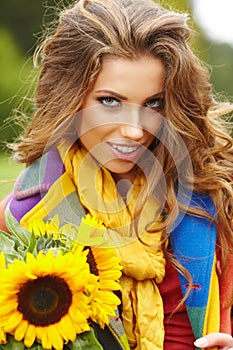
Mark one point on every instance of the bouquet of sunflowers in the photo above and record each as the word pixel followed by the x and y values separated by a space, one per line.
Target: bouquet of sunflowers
pixel 54 285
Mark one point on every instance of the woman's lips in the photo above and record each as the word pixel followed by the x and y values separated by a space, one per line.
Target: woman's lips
pixel 126 152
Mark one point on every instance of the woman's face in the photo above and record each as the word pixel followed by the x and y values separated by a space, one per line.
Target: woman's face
pixel 121 115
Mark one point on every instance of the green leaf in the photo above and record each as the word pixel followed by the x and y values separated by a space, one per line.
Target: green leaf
pixel 11 257
pixel 15 228
pixel 7 243
pixel 32 243
pixel 8 247
pixel 36 346
pixel 12 344
pixel 85 341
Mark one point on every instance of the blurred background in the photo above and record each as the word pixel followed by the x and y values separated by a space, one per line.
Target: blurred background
pixel 21 26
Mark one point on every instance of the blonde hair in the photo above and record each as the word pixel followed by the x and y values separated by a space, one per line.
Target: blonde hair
pixel 71 60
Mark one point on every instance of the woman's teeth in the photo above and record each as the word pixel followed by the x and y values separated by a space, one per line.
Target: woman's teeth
pixel 125 149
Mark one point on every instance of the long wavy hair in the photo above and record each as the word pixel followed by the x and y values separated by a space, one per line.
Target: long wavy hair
pixel 70 59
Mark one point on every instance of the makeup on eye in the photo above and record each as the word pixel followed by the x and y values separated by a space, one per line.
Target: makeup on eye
pixel 109 101
pixel 155 103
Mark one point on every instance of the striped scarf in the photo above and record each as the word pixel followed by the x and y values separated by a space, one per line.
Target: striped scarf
pixel 193 242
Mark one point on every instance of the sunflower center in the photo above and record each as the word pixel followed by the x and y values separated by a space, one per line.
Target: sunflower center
pixel 44 301
pixel 91 261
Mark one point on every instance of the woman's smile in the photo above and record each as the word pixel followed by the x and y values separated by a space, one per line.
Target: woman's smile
pixel 126 152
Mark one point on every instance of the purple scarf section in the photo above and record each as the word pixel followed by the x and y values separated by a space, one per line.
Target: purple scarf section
pixel 34 182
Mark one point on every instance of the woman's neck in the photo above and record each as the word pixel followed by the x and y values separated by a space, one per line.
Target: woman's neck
pixel 123 183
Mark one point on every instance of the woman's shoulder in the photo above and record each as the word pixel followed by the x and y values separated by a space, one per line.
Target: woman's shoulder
pixel 3 204
pixel 33 183
pixel 38 177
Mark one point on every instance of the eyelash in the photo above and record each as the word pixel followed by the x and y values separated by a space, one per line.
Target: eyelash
pixel 117 103
pixel 158 101
pixel 103 100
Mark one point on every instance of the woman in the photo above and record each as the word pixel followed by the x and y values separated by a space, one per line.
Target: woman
pixel 126 128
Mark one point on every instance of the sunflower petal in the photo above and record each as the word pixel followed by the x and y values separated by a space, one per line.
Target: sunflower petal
pixel 46 344
pixel 110 285
pixel 8 306
pixel 66 329
pixel 2 261
pixel 21 330
pixel 55 337
pixel 12 322
pixel 2 336
pixel 30 335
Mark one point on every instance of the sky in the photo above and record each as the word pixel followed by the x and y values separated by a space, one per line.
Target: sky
pixel 216 18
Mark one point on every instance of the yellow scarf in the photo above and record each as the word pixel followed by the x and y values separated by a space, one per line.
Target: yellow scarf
pixel 143 266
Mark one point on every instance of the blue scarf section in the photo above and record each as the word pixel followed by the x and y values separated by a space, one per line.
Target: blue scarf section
pixel 193 242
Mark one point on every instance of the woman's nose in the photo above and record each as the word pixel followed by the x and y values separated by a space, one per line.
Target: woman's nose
pixel 130 131
pixel 131 127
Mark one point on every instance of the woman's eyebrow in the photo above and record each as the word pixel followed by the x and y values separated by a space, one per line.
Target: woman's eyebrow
pixel 158 95
pixel 112 93
pixel 124 98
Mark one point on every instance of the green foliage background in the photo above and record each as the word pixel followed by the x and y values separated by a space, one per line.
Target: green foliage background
pixel 21 25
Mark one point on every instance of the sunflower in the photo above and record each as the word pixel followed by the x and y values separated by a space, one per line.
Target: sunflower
pixel 106 265
pixel 103 263
pixel 93 221
pixel 50 228
pixel 47 298
pixel 91 231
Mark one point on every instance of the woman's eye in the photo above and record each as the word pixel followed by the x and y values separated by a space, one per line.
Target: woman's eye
pixel 109 101
pixel 156 103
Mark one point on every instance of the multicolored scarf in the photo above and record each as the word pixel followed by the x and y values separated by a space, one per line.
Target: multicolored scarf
pixel 80 186
pixel 193 242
